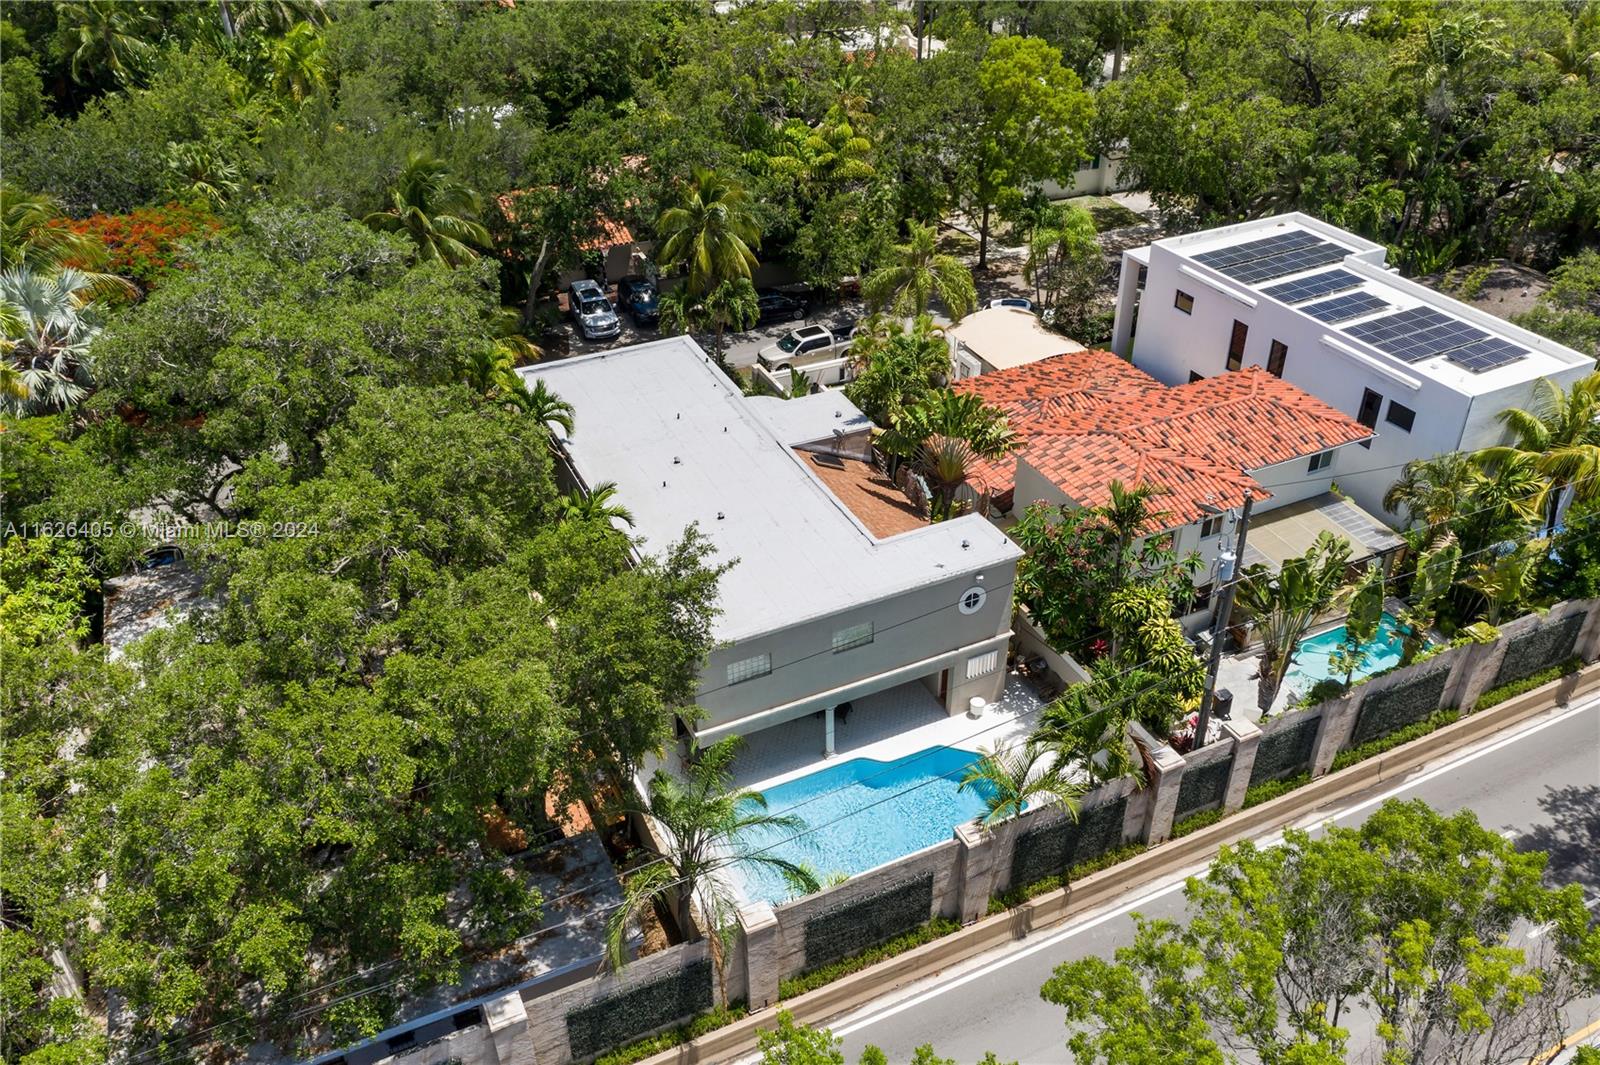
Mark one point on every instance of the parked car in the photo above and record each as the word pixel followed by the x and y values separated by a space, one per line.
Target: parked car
pixel 779 306
pixel 1012 301
pixel 806 346
pixel 639 297
pixel 592 312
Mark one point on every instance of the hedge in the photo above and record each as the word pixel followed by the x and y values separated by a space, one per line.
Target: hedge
pixel 1041 852
pixel 1203 786
pixel 1285 752
pixel 855 926
pixel 615 1019
pixel 1268 790
pixel 1044 885
pixel 809 981
pixel 1538 649
pixel 1416 730
pixel 1527 684
pixel 1398 707
pixel 720 1017
pixel 1195 822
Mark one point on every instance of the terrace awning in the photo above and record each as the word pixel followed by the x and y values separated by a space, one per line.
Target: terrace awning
pixel 1290 530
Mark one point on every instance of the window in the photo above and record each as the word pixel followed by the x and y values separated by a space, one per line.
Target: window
pixel 982 665
pixel 749 668
pixel 1400 416
pixel 1196 375
pixel 1275 358
pixel 1236 345
pixel 1368 414
pixel 1210 527
pixel 1320 462
pixel 1184 302
pixel 972 600
pixel 852 636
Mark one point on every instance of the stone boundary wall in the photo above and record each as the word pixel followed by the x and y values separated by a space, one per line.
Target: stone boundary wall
pixel 976 864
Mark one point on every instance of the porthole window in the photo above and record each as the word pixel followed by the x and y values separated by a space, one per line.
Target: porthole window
pixel 972 600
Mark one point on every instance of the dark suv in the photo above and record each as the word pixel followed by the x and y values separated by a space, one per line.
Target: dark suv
pixel 639 297
pixel 778 306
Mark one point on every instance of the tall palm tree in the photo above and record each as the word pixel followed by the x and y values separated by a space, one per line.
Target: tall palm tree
pixel 49 344
pixel 1282 606
pixel 917 272
pixel 729 304
pixel 1561 432
pixel 1129 514
pixel 548 409
pixel 942 434
pixel 703 828
pixel 1432 490
pixel 298 68
pixel 34 233
pixel 112 37
pixel 597 505
pixel 712 231
pixel 1012 779
pixel 435 210
pixel 1087 726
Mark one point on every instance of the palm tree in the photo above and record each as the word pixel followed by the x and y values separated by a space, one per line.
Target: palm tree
pixel 1064 258
pixel 895 367
pixel 703 827
pixel 1283 605
pixel 1128 514
pixel 435 210
pixel 916 273
pixel 731 304
pixel 1360 624
pixel 1432 490
pixel 1012 779
pixel 271 17
pixel 1087 726
pixel 49 345
pixel 1561 432
pixel 548 409
pixel 1505 578
pixel 712 231
pixel 1436 572
pixel 197 171
pixel 298 69
pixel 597 505
pixel 943 433
pixel 1575 55
pixel 112 38
pixel 34 234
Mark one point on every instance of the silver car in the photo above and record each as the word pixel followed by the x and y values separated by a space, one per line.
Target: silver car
pixel 596 318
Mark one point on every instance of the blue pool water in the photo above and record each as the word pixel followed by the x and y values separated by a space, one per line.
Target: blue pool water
pixel 1312 659
pixel 865 813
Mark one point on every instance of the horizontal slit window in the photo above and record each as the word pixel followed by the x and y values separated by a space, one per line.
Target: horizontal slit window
pixel 749 668
pixel 852 636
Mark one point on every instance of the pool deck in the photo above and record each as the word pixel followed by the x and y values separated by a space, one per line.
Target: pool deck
pixel 885 726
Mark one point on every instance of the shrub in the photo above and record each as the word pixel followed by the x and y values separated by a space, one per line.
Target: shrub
pixel 1323 690
pixel 147 244
pixel 1045 885
pixel 1195 822
pixel 934 929
pixel 1436 720
pixel 1271 789
pixel 1506 691
pixel 720 1017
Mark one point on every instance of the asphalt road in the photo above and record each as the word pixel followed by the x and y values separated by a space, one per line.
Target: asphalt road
pixel 1539 785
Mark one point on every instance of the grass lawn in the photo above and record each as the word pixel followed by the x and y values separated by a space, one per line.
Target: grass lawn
pixel 1107 213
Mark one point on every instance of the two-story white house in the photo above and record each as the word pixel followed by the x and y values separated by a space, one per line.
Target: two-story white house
pixel 1316 306
pixel 837 588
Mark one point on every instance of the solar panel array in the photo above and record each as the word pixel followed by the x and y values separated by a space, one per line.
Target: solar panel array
pixel 1422 332
pixel 1313 287
pixel 1269 257
pixel 1343 308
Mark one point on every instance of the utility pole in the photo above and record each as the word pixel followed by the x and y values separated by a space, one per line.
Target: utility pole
pixel 1227 577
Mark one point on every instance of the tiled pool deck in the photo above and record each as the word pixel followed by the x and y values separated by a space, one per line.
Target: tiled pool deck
pixel 885 726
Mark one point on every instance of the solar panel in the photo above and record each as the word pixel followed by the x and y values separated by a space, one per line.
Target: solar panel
pixel 1342 308
pixel 1260 248
pixel 1435 340
pixel 1313 287
pixel 1487 354
pixel 1394 326
pixel 1283 263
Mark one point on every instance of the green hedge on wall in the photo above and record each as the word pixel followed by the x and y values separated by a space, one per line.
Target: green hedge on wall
pixel 868 921
pixel 1042 852
pixel 1538 649
pixel 1395 708
pixel 612 1021
pixel 1285 752
pixel 1204 786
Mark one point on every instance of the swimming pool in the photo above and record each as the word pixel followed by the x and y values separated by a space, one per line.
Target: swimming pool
pixel 1312 660
pixel 864 813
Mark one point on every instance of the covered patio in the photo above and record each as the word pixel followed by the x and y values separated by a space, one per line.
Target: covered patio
pixel 1289 531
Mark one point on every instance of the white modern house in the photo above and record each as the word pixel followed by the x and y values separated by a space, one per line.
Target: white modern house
pixel 1316 306
pixel 838 589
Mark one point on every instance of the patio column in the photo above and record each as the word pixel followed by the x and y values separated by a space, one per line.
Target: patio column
pixel 507 1019
pixel 827 733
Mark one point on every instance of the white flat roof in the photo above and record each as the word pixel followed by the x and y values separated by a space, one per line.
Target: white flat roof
pixel 1007 337
pixel 1366 261
pixel 684 446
